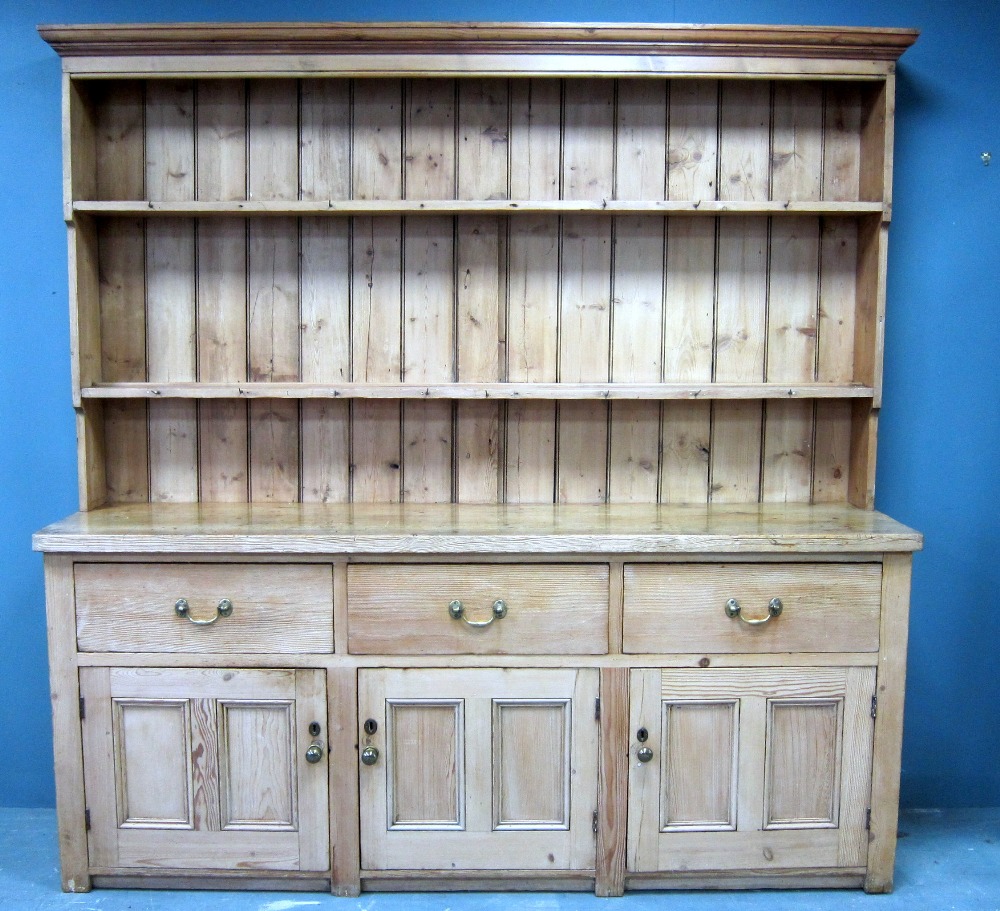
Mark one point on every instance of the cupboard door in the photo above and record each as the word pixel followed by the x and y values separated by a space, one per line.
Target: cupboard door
pixel 478 769
pixel 206 769
pixel 749 769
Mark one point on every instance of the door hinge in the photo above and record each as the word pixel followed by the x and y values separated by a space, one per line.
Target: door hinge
pixel 868 819
pixel 597 709
pixel 83 708
pixel 595 822
pixel 874 706
pixel 86 819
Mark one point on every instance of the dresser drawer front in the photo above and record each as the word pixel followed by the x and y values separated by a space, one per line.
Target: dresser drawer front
pixel 682 608
pixel 404 609
pixel 131 607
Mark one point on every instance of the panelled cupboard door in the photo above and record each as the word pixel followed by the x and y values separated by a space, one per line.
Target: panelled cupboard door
pixel 751 769
pixel 478 770
pixel 206 769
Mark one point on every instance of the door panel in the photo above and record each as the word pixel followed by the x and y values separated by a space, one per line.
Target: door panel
pixel 479 769
pixel 752 769
pixel 204 769
pixel 426 778
pixel 700 744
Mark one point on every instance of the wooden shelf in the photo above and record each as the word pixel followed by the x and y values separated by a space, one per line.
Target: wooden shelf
pixel 200 209
pixel 538 391
pixel 455 529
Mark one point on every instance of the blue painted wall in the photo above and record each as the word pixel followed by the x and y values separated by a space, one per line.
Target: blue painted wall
pixel 940 436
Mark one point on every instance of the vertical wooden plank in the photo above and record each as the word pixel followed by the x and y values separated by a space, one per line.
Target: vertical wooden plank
pixel 582 451
pixel 634 469
pixel 428 344
pixel 693 140
pixel 645 711
pixel 612 789
pixel 832 451
pixel 377 159
pixel 170 290
pixel 427 452
pixel 532 319
pixel 786 471
pixel 79 126
pixel 869 326
pixel 222 289
pixel 65 694
pixel 376 447
pixel 841 141
pixel 273 280
pixel 482 173
pixel 877 115
pixel 345 838
pixel 325 173
pixel 530 452
pixel 588 139
pixel 429 159
pixel 126 436
pixel 483 147
pixel 688 348
pixel 741 306
pixel 687 430
pixel 428 288
pixel 739 346
pixel 791 353
pixel 585 300
pixel 797 144
pixel 837 294
pixel 744 141
pixel 637 291
pixel 636 348
pixel 891 685
pixel 314 795
pixel 585 288
pixel 478 453
pixel 735 452
pixel 864 435
pixel 641 140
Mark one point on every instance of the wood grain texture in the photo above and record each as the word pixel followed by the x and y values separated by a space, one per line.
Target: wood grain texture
pixel 478 528
pixel 129 607
pixel 550 609
pixel 683 608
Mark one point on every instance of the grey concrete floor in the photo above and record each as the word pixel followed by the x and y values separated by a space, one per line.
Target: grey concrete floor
pixel 948 860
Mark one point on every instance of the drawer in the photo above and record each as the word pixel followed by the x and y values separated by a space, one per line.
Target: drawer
pixel 131 607
pixel 682 608
pixel 405 609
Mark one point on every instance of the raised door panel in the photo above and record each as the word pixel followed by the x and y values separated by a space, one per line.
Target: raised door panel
pixel 204 769
pixel 753 769
pixel 479 769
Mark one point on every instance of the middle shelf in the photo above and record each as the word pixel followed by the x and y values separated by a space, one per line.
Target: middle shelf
pixel 500 391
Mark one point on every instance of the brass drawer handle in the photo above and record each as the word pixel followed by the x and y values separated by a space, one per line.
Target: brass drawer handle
pixel 183 609
pixel 457 611
pixel 773 610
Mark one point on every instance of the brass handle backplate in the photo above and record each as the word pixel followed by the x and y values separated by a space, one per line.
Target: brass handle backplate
pixel 183 609
pixel 774 608
pixel 457 612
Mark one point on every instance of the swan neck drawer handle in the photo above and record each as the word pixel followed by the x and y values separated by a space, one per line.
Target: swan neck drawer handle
pixel 183 609
pixel 774 608
pixel 457 612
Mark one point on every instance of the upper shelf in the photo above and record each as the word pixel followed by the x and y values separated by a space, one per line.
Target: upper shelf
pixel 462 206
